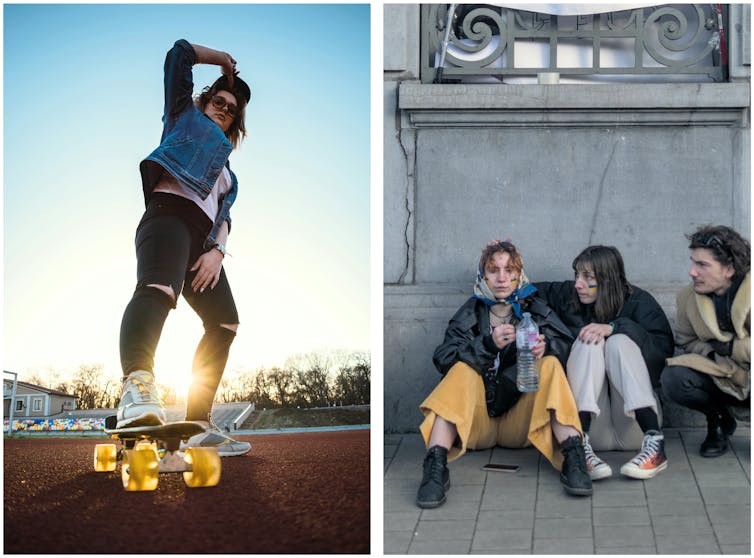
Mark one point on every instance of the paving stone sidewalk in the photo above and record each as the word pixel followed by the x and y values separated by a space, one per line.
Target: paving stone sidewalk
pixel 696 506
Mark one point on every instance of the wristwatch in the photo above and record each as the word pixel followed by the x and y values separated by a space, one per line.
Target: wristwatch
pixel 220 247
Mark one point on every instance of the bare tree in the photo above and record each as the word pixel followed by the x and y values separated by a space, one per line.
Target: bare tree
pixel 312 373
pixel 282 382
pixel 261 390
pixel 353 381
pixel 89 386
pixel 311 379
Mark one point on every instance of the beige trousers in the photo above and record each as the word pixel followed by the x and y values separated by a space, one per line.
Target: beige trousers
pixel 459 398
pixel 612 403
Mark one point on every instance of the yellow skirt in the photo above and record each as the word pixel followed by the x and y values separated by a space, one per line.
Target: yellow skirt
pixel 459 398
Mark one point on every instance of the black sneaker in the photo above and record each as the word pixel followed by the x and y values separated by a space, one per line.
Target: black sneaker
pixel 575 477
pixel 436 479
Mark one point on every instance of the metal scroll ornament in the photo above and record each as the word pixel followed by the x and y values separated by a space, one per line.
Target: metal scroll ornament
pixel 683 40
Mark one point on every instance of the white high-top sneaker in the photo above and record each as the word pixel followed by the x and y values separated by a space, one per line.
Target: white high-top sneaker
pixel 597 468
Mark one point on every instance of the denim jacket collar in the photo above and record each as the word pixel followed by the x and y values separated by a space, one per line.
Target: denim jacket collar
pixel 193 148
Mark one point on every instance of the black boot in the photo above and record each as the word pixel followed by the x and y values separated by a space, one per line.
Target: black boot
pixel 436 479
pixel 574 476
pixel 720 426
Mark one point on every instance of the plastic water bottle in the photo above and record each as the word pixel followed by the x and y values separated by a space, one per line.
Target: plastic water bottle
pixel 527 376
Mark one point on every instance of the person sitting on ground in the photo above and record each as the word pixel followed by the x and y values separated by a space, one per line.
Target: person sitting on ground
pixel 713 327
pixel 622 336
pixel 477 405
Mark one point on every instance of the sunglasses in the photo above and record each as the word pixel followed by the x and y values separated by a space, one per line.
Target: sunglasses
pixel 712 241
pixel 219 102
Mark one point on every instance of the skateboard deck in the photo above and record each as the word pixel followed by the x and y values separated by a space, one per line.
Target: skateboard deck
pixel 149 450
pixel 169 432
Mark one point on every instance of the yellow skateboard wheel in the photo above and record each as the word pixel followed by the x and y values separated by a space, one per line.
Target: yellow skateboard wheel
pixel 146 445
pixel 139 470
pixel 105 457
pixel 205 467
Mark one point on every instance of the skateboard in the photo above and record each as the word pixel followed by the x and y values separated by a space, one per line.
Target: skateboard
pixel 149 450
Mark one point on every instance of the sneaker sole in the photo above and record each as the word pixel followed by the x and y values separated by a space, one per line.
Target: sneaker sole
pixel 642 474
pixel 233 453
pixel 236 453
pixel 149 419
pixel 601 473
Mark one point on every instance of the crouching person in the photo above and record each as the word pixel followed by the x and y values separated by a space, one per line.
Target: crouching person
pixel 713 327
pixel 477 405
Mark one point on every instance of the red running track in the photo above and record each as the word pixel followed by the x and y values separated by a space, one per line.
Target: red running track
pixel 294 493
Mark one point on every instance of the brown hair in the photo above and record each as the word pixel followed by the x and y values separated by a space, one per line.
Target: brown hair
pixel 516 262
pixel 727 247
pixel 237 130
pixel 606 264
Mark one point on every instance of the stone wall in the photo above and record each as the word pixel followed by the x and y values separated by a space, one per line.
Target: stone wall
pixel 555 167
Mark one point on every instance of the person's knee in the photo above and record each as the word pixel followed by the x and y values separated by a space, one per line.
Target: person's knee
pixel 221 334
pixel 580 346
pixel 160 294
pixel 460 368
pixel 167 289
pixel 583 353
pixel 674 382
pixel 550 366
pixel 619 345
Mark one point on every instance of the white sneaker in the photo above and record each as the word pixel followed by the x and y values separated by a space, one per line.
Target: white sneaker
pixel 597 468
pixel 214 438
pixel 140 403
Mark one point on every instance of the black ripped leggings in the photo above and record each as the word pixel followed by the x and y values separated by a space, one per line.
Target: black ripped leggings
pixel 169 240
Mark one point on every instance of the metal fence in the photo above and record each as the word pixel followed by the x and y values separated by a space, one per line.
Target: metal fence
pixel 489 43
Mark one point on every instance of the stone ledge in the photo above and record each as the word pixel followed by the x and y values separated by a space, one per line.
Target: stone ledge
pixel 583 105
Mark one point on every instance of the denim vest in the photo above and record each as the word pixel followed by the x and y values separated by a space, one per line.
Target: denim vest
pixel 192 148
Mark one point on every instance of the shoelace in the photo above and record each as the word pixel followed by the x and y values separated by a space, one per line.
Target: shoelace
pixel 433 468
pixel 592 460
pixel 650 446
pixel 147 392
pixel 574 462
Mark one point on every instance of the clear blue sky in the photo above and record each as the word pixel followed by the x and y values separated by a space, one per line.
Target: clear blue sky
pixel 82 106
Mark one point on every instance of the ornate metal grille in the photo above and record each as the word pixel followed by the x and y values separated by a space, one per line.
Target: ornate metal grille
pixel 494 43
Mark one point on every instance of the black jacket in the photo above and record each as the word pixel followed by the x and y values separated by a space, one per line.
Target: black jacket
pixel 468 338
pixel 641 319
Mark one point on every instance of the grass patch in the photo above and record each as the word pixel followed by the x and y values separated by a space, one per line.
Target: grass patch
pixel 304 418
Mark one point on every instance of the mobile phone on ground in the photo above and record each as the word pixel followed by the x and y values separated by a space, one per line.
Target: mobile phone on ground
pixel 500 467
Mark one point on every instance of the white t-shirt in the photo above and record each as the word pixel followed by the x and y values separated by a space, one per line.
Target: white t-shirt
pixel 171 185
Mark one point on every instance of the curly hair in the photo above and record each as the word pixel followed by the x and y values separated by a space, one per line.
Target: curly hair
pixel 237 130
pixel 606 264
pixel 726 245
pixel 516 262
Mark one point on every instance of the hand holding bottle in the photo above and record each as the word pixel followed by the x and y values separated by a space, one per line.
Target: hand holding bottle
pixel 539 349
pixel 503 335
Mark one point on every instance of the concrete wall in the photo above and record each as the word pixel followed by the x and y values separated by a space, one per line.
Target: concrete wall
pixel 555 167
